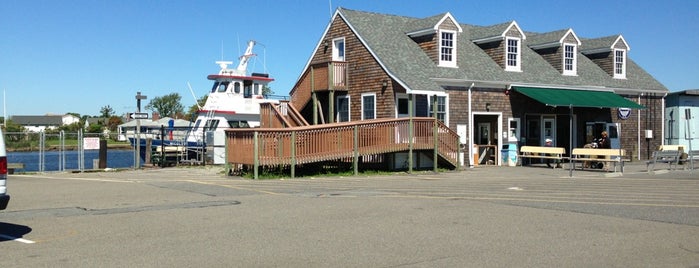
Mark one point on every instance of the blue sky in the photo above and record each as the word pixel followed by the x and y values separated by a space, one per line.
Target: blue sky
pixel 80 55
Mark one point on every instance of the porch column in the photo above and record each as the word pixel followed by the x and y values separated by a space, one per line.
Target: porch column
pixel 410 133
pixel 435 133
pixel 331 106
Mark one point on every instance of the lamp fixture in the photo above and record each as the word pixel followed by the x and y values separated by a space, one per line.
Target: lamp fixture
pixel 487 106
pixel 384 83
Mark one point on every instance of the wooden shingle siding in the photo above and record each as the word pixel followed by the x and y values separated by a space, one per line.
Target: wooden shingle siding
pixel 428 43
pixel 604 60
pixel 553 56
pixel 496 51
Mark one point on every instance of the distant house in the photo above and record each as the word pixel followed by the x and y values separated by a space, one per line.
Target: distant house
pixel 679 130
pixel 39 123
pixel 496 84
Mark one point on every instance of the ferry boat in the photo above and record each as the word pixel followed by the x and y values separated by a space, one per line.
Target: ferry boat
pixel 233 102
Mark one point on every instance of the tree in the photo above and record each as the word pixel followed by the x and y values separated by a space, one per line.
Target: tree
pixel 266 90
pixel 114 122
pixel 106 111
pixel 194 109
pixel 168 105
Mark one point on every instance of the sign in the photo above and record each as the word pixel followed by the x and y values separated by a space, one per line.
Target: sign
pixel 91 143
pixel 139 116
pixel 624 113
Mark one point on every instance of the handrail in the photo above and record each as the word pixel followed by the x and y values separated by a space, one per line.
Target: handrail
pixel 317 143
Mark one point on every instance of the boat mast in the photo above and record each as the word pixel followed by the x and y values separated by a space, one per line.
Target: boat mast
pixel 243 65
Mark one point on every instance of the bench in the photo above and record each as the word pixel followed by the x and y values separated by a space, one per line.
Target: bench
pixel 12 166
pixel 583 155
pixel 692 158
pixel 541 152
pixel 671 157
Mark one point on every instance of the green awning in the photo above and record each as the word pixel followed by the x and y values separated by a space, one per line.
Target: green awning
pixel 577 98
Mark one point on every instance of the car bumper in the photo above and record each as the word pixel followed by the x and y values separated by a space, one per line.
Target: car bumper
pixel 4 200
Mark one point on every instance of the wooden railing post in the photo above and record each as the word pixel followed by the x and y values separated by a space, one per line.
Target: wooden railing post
pixel 411 133
pixel 355 149
pixel 293 154
pixel 256 155
pixel 435 132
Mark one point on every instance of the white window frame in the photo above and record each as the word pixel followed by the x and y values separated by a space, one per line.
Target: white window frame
pixel 513 134
pixel 349 108
pixel 452 49
pixel 620 67
pixel 446 107
pixel 518 55
pixel 373 95
pixel 573 58
pixel 339 53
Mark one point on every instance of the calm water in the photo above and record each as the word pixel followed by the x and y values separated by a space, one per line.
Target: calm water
pixel 115 159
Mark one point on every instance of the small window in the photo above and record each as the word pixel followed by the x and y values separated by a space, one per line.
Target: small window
pixel 368 106
pixel 222 86
pixel 513 55
pixel 339 49
pixel 619 63
pixel 569 59
pixel 211 125
pixel 441 108
pixel 236 87
pixel 343 108
pixel 447 49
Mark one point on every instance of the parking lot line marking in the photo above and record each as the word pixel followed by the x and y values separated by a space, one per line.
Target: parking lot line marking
pixel 234 187
pixel 21 240
pixel 76 179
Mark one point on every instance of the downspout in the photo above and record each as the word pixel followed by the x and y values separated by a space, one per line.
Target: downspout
pixel 662 126
pixel 470 129
pixel 638 133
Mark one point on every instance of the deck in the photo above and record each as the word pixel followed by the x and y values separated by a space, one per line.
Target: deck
pixel 348 141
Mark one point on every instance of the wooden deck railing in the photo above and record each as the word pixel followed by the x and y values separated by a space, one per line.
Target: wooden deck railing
pixel 308 144
pixel 321 76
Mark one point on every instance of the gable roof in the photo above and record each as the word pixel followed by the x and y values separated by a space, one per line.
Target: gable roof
pixel 385 36
pixel 603 44
pixel 550 39
pixel 430 24
pixel 495 32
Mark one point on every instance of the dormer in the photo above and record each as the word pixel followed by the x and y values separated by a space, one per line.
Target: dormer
pixel 609 53
pixel 503 42
pixel 437 36
pixel 559 48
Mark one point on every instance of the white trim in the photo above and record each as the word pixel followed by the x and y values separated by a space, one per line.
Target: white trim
pixel 349 107
pixel 574 71
pixel 621 75
pixel 452 62
pixel 518 59
pixel 335 50
pixel 362 102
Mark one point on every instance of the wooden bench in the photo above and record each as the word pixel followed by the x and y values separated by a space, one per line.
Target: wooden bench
pixel 582 155
pixel 12 166
pixel 671 157
pixel 541 152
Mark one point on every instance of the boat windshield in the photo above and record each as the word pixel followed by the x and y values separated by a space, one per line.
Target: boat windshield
pixel 239 124
pixel 220 86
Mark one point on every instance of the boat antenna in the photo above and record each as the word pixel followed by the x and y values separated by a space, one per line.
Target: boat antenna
pixel 193 95
pixel 330 7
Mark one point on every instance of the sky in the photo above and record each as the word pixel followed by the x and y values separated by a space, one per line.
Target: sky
pixel 77 56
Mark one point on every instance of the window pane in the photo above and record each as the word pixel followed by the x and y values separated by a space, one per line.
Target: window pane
pixel 446 53
pixel 512 52
pixel 368 106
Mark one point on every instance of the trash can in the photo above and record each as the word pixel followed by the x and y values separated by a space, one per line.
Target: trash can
pixel 512 153
pixel 504 155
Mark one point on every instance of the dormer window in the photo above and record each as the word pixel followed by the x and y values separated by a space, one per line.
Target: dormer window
pixel 447 49
pixel 620 63
pixel 569 59
pixel 513 55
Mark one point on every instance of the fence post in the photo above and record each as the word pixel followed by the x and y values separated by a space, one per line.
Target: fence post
pixel 256 155
pixel 293 153
pixel 355 149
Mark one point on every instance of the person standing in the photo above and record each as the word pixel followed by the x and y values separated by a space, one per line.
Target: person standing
pixel 604 141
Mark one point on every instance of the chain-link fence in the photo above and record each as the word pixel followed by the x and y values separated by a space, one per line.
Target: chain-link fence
pixel 67 151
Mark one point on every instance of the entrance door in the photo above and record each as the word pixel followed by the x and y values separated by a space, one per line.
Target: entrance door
pixel 548 130
pixel 613 130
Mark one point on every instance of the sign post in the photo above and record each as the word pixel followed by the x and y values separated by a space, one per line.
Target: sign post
pixel 138 116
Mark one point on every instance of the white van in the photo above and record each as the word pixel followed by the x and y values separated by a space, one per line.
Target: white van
pixel 4 197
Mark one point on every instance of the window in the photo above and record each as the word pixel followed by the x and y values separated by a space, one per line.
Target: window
pixel 368 106
pixel 569 60
pixel 447 48
pixel 339 49
pixel 619 63
pixel 343 108
pixel 514 129
pixel 513 55
pixel 211 125
pixel 441 108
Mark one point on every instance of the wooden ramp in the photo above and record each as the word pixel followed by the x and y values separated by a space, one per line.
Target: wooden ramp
pixel 253 148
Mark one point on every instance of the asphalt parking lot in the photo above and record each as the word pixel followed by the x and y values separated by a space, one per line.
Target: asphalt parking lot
pixel 480 217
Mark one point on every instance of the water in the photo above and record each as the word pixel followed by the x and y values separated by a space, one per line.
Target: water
pixel 115 159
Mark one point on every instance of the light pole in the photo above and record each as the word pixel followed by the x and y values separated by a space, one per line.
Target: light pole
pixel 137 159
